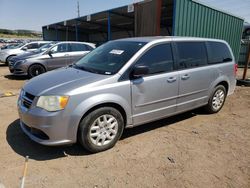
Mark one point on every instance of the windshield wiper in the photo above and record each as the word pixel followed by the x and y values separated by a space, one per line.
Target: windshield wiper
pixel 84 68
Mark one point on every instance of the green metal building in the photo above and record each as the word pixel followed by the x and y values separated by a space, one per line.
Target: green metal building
pixel 199 20
pixel 149 18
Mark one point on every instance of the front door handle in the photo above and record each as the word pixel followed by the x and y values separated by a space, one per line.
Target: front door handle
pixel 185 77
pixel 171 79
pixel 66 55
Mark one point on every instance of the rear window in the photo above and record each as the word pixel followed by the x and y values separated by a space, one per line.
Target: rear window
pixel 218 53
pixel 191 54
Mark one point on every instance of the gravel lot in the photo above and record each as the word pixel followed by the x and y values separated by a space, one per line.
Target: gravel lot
pixel 189 150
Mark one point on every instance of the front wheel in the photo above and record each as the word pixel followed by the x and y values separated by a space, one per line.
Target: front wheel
pixel 101 129
pixel 35 70
pixel 216 100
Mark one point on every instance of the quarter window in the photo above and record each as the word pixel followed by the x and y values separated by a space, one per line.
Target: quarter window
pixel 42 44
pixel 218 53
pixel 78 47
pixel 191 54
pixel 32 46
pixel 89 48
pixel 158 59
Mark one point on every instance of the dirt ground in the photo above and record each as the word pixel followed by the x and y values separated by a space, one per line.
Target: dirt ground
pixel 189 150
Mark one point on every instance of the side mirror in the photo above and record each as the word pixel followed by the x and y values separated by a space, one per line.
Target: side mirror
pixel 24 48
pixel 50 53
pixel 139 71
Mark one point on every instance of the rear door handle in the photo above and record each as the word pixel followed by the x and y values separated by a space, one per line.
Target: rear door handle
pixel 171 79
pixel 185 77
pixel 66 55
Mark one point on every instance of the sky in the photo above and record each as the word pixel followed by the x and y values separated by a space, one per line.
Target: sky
pixel 33 14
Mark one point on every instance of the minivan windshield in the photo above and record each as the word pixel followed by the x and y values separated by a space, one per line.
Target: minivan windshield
pixel 110 57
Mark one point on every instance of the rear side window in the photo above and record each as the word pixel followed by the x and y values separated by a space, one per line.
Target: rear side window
pixel 78 47
pixel 218 53
pixel 32 46
pixel 41 44
pixel 158 59
pixel 191 54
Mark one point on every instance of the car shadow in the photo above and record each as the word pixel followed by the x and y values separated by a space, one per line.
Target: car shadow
pixel 13 77
pixel 23 146
pixel 3 65
pixel 158 124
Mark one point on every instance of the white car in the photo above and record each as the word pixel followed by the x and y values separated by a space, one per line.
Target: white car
pixel 6 54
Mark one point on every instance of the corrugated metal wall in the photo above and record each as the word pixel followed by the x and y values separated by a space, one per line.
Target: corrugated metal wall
pixel 194 19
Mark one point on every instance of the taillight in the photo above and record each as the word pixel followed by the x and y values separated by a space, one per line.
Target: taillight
pixel 235 69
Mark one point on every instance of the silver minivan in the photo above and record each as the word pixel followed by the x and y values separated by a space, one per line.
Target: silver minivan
pixel 125 83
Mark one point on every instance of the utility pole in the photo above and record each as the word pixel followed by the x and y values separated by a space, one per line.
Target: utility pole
pixel 78 9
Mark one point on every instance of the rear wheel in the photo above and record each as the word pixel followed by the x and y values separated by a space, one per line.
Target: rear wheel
pixel 35 70
pixel 216 100
pixel 101 129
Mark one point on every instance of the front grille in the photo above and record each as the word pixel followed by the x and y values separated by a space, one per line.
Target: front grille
pixel 30 96
pixel 27 99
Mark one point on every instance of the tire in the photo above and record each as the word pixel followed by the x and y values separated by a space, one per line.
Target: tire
pixel 8 59
pixel 104 135
pixel 243 83
pixel 35 70
pixel 216 100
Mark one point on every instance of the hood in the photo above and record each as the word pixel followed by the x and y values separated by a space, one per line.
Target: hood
pixel 7 51
pixel 61 81
pixel 25 55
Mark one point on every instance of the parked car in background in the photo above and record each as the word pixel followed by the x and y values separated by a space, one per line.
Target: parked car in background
pixel 59 55
pixel 6 54
pixel 10 46
pixel 125 83
pixel 13 60
pixel 246 31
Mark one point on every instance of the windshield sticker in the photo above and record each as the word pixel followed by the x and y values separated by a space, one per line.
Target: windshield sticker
pixel 116 52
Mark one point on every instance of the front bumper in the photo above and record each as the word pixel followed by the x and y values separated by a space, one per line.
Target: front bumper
pixel 17 70
pixel 46 128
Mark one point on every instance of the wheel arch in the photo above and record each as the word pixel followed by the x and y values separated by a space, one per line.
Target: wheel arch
pixel 12 55
pixel 92 103
pixel 108 104
pixel 225 84
pixel 224 81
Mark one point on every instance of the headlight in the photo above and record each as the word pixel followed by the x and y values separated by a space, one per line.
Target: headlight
pixel 52 103
pixel 19 62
